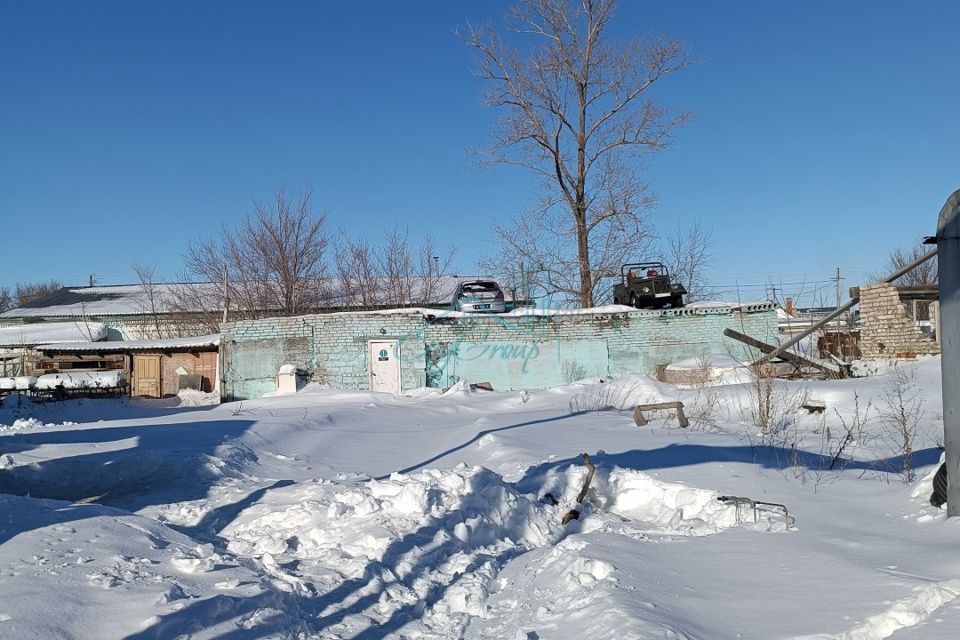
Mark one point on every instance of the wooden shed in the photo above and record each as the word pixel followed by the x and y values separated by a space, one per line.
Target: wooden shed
pixel 154 368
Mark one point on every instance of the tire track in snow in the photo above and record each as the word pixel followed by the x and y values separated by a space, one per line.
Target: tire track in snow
pixel 906 612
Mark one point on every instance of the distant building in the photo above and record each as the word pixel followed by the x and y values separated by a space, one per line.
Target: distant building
pixel 128 312
pixel 18 353
pixel 153 368
pixel 170 310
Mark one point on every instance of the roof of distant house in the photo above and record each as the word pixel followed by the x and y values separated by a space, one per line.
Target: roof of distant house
pixel 137 299
pixel 110 300
pixel 122 346
pixel 26 335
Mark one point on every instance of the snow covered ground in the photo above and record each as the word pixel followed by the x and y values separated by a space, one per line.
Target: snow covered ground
pixel 333 514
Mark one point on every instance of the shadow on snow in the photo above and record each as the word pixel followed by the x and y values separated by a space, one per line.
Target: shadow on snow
pixel 408 561
pixel 146 465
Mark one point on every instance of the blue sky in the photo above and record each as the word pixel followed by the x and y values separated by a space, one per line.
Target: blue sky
pixel 825 132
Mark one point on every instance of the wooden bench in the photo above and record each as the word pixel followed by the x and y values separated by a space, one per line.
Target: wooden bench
pixel 640 420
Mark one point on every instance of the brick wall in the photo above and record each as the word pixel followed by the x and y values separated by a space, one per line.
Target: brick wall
pixel 887 331
pixel 534 350
pixel 203 364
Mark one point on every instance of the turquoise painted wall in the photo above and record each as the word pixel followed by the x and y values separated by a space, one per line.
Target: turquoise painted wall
pixel 511 352
pixel 522 364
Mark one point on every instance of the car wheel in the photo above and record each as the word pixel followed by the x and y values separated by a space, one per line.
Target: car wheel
pixel 633 300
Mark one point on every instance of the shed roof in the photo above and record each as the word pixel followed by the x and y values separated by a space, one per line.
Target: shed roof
pixel 26 335
pixel 204 343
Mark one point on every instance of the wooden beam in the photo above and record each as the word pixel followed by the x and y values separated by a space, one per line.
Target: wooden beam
pixel 786 355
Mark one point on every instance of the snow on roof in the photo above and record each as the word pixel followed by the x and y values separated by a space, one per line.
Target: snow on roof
pixel 126 299
pixel 710 304
pixel 117 346
pixel 52 332
pixel 522 311
pixel 134 299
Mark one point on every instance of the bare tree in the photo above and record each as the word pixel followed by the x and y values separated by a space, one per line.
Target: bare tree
pixel 900 257
pixel 396 266
pixel 431 262
pixel 27 292
pixel 355 263
pixel 690 255
pixel 396 273
pixel 577 111
pixel 271 264
pixel 6 300
pixel 151 302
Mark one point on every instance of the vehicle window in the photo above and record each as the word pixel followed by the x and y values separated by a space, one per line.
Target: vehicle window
pixel 474 287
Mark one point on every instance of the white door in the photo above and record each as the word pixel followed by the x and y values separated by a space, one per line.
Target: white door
pixel 384 366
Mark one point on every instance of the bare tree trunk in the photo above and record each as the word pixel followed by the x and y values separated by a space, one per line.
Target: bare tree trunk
pixel 577 113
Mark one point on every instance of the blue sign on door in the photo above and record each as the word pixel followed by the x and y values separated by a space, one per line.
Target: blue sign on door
pixel 383 356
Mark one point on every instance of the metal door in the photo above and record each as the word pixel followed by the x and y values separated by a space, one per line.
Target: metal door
pixel 146 376
pixel 384 366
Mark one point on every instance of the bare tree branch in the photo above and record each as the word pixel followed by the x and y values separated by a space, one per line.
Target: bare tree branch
pixel 900 257
pixel 690 255
pixel 274 262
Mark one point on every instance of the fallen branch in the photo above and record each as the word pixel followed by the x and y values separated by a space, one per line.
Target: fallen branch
pixel 588 480
pixel 573 514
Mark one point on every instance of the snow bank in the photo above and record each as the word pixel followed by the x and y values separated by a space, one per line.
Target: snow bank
pixel 81 380
pixel 621 394
pixel 656 506
pixel 347 526
pixel 19 383
pixel 669 507
pixel 194 398
pixel 397 541
pixel 29 424
pixel 707 370
pixel 711 361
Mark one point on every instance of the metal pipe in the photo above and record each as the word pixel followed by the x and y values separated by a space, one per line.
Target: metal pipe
pixel 786 514
pixel 948 245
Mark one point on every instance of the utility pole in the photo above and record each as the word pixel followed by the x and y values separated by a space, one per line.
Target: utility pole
pixel 948 264
pixel 226 294
pixel 524 291
pixel 838 287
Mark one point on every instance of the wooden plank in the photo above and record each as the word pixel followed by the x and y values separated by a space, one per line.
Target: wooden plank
pixel 786 355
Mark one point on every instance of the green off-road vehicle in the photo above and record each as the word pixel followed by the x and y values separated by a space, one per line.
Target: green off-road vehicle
pixel 646 285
